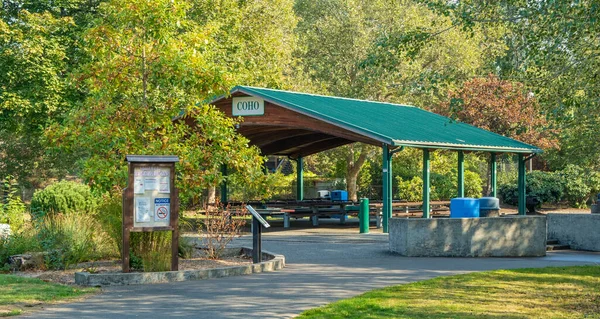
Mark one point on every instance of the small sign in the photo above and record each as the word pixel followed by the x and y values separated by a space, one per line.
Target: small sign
pixel 247 106
pixel 257 216
pixel 163 185
pixel 150 184
pixel 138 187
pixel 143 213
pixel 162 207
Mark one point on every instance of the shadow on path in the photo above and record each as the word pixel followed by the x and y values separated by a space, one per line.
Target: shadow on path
pixel 321 268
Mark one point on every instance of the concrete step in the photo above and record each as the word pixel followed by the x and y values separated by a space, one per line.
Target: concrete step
pixel 552 242
pixel 557 247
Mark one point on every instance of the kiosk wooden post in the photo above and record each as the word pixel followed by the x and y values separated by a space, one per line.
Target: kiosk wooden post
pixel 151 201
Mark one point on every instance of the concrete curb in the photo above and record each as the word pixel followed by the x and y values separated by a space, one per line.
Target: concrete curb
pixel 275 262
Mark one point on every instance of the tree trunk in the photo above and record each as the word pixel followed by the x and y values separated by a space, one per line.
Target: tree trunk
pixel 351 186
pixel 353 169
pixel 212 195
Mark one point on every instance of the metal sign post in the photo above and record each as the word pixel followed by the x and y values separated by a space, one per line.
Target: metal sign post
pixel 150 201
pixel 257 224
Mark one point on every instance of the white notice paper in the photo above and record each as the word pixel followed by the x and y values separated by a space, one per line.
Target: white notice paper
pixel 163 185
pixel 143 213
pixel 138 186
pixel 151 184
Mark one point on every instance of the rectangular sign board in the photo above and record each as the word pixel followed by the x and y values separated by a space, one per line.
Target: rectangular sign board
pixel 257 216
pixel 247 106
pixel 151 193
pixel 150 202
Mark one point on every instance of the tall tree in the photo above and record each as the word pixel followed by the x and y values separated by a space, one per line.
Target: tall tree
pixel 33 59
pixel 152 61
pixel 502 107
pixel 360 49
pixel 553 48
pixel 39 47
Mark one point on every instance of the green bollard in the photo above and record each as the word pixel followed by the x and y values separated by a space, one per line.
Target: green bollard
pixel 363 216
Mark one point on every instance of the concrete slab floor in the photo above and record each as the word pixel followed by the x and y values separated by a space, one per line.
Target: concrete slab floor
pixel 323 265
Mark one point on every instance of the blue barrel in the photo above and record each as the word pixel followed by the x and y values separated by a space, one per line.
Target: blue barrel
pixel 464 207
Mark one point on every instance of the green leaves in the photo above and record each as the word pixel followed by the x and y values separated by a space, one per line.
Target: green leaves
pixel 151 64
pixel 553 50
pixel 34 88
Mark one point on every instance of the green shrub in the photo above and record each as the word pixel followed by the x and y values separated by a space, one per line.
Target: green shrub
pixel 12 208
pixel 509 193
pixel 72 238
pixel 443 187
pixel 473 185
pixel 150 251
pixel 63 197
pixel 580 184
pixel 186 247
pixel 19 242
pixel 110 211
pixel 548 187
pixel 410 190
pixel 574 185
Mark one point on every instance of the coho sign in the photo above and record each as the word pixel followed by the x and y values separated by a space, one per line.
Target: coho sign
pixel 248 105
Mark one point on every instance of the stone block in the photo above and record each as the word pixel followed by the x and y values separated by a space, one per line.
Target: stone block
pixel 34 260
pixel 272 262
pixel 580 231
pixel 469 237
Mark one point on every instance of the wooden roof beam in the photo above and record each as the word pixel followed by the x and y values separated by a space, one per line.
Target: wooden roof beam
pixel 289 143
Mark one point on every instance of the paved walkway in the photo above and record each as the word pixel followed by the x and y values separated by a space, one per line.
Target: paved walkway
pixel 323 265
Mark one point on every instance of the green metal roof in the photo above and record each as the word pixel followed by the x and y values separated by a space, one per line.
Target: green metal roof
pixel 393 124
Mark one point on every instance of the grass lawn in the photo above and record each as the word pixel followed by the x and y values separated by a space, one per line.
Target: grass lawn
pixel 19 293
pixel 553 292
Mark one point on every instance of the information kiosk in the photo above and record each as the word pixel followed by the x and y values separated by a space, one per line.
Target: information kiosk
pixel 150 201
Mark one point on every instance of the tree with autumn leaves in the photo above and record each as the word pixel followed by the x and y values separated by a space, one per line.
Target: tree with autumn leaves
pixel 503 107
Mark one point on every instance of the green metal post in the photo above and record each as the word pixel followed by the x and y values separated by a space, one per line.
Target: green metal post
pixel 387 203
pixel 426 167
pixel 224 197
pixel 493 176
pixel 522 183
pixel 390 188
pixel 300 179
pixel 461 174
pixel 363 216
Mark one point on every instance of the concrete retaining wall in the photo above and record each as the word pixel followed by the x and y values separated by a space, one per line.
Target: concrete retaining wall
pixel 273 262
pixel 469 237
pixel 580 231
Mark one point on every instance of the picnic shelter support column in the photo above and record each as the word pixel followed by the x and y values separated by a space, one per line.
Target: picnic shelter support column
pixel 426 184
pixel 387 200
pixel 493 176
pixel 521 185
pixel 388 182
pixel 224 195
pixel 300 179
pixel 461 174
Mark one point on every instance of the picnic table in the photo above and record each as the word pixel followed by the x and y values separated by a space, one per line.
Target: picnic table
pixel 315 209
pixel 276 212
